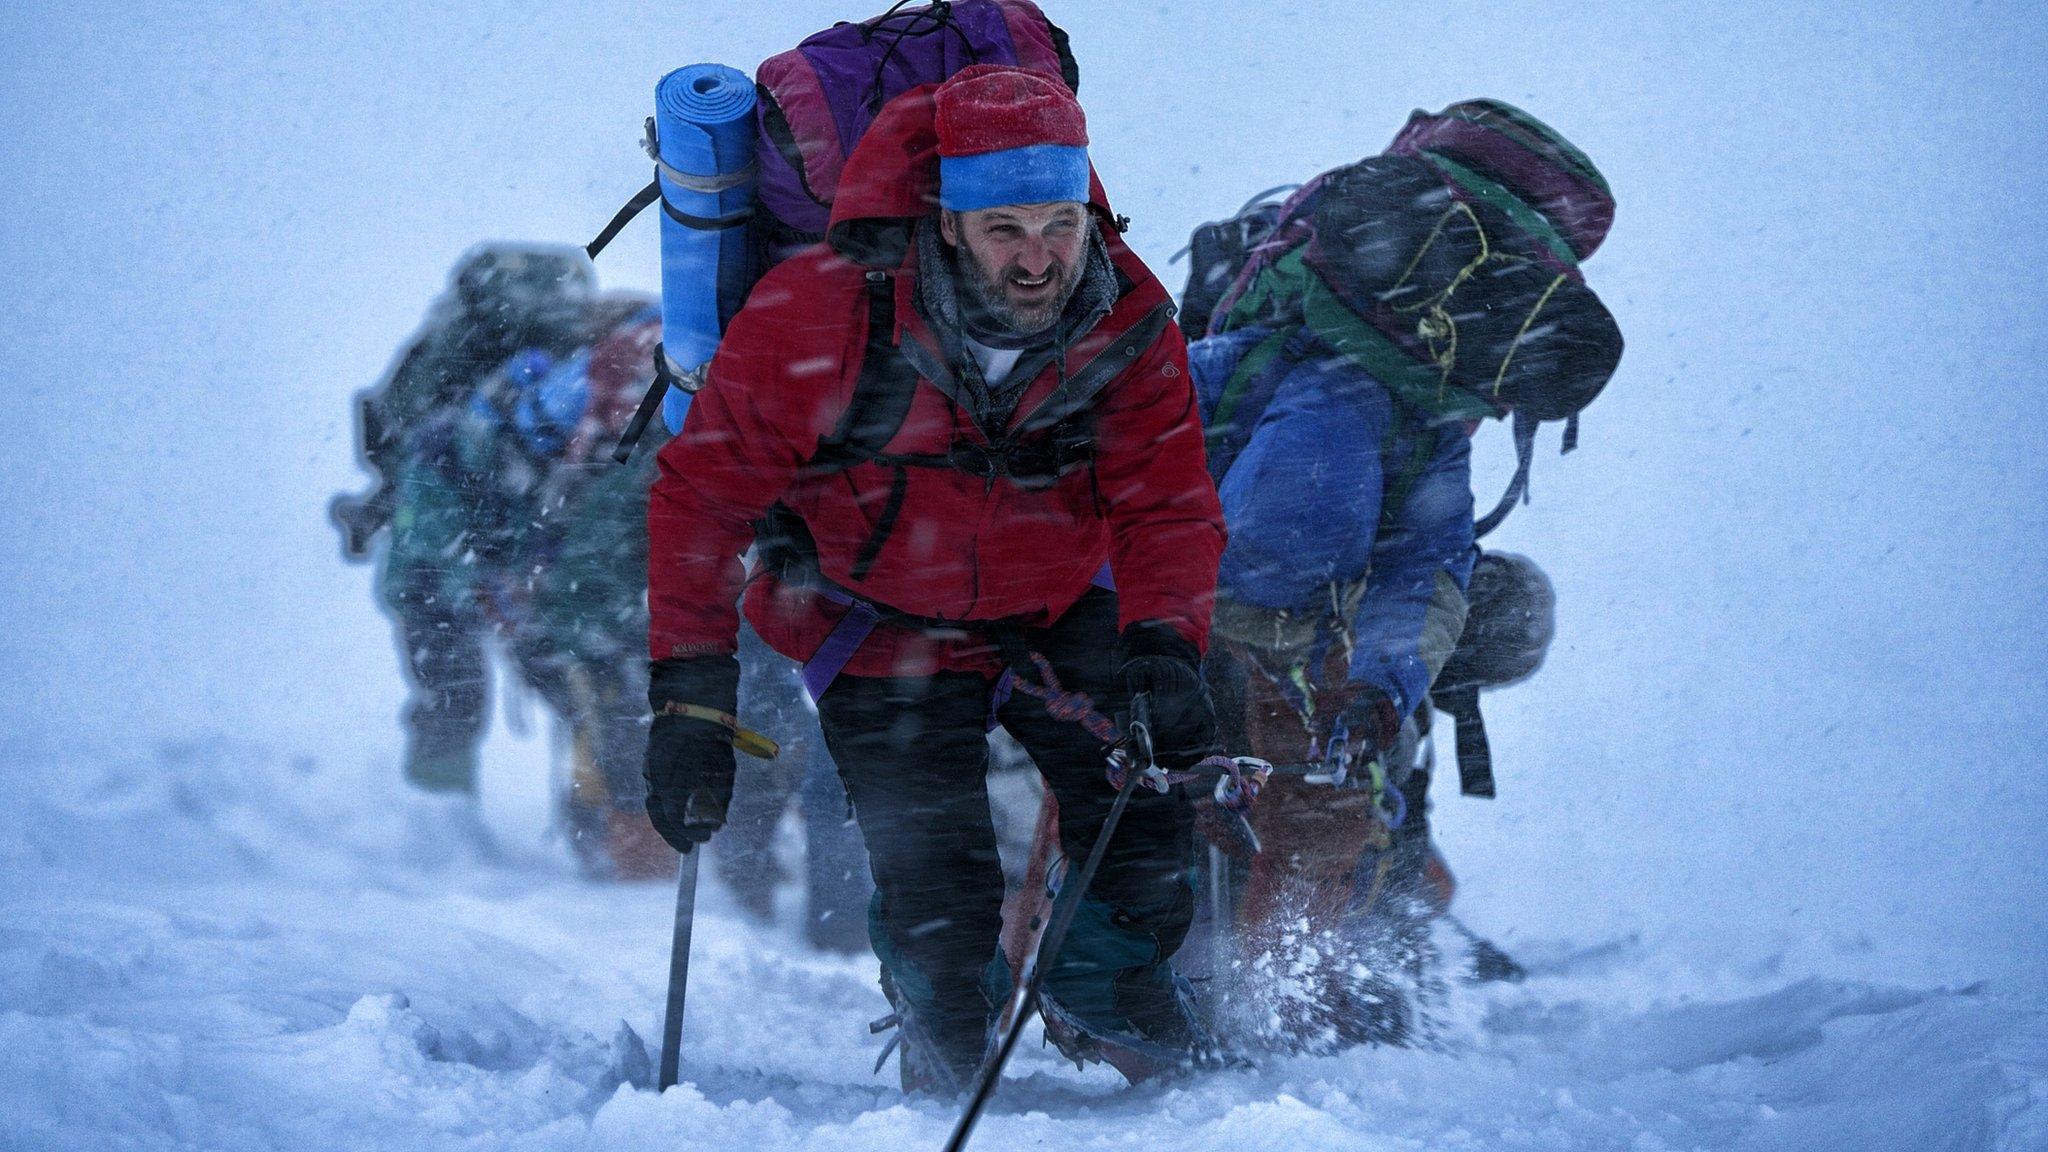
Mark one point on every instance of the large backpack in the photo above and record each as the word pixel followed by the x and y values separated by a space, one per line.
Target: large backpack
pixel 813 104
pixel 815 101
pixel 1447 266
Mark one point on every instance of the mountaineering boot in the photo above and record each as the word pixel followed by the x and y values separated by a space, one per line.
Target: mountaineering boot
pixel 1394 968
pixel 931 1063
pixel 1112 996
pixel 1367 1009
pixel 943 1039
pixel 611 837
pixel 1144 1046
pixel 1486 963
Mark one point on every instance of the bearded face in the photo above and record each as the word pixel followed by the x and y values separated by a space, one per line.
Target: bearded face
pixel 1020 262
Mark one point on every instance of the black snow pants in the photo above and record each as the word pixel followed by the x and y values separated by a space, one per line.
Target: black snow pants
pixel 913 752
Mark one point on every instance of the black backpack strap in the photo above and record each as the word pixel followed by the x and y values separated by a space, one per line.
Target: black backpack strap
pixel 652 192
pixel 1080 389
pixel 1518 488
pixel 899 486
pixel 881 393
pixel 1475 757
pixel 651 403
pixel 634 207
pixel 881 400
pixel 707 223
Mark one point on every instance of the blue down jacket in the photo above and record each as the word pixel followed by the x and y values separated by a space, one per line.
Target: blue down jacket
pixel 1327 484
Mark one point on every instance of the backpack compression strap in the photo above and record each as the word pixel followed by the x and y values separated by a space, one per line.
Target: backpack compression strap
pixel 1475 756
pixel 710 185
pixel 1525 455
pixel 881 394
pixel 664 378
pixel 1518 488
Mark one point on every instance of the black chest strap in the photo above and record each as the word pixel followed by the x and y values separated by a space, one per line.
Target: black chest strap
pixel 881 400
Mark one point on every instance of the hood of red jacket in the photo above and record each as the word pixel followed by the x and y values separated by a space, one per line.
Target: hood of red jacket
pixel 892 180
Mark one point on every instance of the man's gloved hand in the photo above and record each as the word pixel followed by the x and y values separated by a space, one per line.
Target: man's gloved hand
pixel 1155 659
pixel 1372 724
pixel 689 758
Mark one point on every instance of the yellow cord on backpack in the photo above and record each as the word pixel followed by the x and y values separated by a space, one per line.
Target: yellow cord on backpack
pixel 1435 326
pixel 745 739
pixel 1485 253
pixel 1501 376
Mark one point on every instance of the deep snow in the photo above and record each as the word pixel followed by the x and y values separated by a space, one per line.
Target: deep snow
pixel 1772 817
pixel 307 964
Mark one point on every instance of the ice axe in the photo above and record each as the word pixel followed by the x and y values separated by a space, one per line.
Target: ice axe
pixel 678 970
pixel 761 748
pixel 361 517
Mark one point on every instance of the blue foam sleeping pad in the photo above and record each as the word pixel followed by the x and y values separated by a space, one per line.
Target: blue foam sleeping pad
pixel 704 121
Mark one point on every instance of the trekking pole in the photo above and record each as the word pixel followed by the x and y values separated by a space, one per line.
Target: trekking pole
pixel 678 969
pixel 1072 889
pixel 1222 909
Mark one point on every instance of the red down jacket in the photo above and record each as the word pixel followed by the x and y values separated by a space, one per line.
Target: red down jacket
pixel 963 546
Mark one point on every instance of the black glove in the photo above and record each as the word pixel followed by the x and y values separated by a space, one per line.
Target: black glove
pixel 690 759
pixel 1153 658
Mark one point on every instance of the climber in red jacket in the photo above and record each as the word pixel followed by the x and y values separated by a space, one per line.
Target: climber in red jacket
pixel 942 430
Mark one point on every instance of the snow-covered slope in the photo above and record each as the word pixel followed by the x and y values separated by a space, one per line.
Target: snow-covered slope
pixel 209 948
pixel 1773 816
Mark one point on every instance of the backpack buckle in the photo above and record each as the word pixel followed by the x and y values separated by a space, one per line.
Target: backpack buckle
pixel 977 460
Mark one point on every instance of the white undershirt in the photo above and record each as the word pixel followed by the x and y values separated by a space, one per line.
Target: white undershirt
pixel 995 363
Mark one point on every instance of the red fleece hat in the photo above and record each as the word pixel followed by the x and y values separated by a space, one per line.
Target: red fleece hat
pixel 996 107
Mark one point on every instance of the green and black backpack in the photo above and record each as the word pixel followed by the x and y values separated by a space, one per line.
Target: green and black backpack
pixel 1447 267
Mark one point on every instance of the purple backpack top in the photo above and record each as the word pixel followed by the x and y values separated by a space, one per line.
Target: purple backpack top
pixel 817 99
pixel 1487 148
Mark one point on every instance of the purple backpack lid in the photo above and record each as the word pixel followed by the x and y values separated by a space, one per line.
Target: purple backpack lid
pixel 820 97
pixel 1523 155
